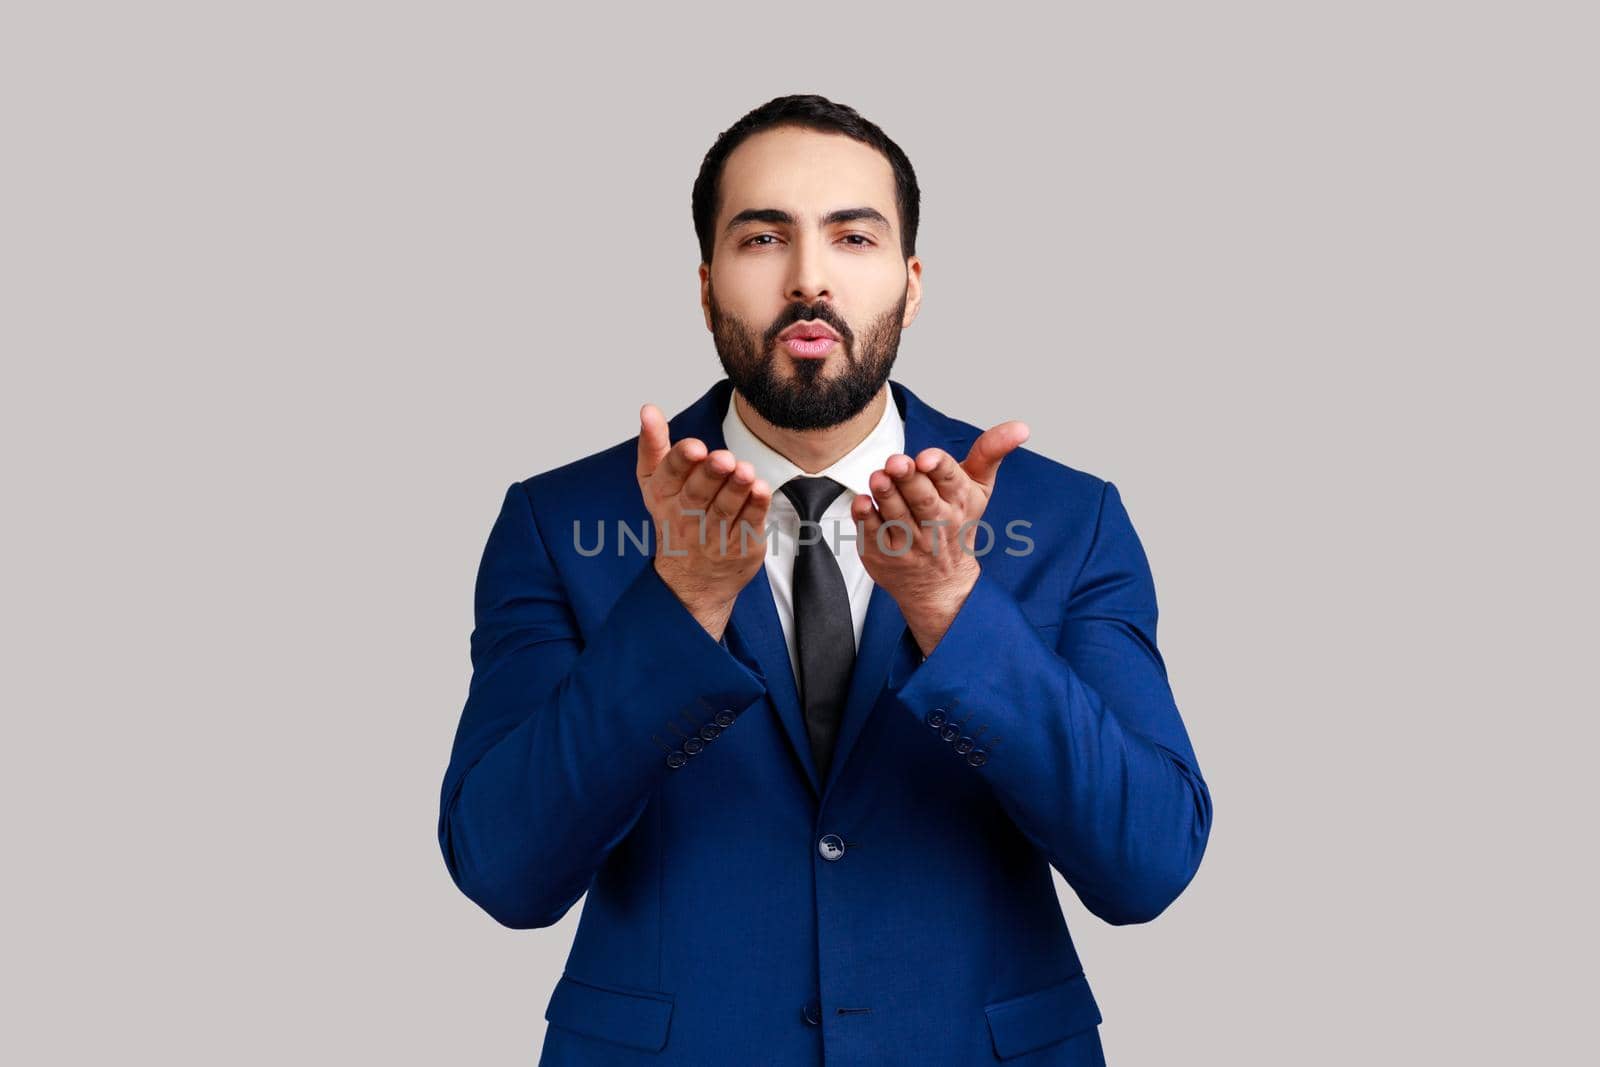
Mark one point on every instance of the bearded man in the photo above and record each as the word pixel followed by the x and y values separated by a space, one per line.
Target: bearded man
pixel 813 755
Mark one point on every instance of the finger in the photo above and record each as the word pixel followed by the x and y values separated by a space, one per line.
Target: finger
pixel 948 479
pixel 705 481
pixel 725 506
pixel 865 513
pixel 891 505
pixel 917 490
pixel 653 443
pixel 754 513
pixel 992 446
pixel 674 470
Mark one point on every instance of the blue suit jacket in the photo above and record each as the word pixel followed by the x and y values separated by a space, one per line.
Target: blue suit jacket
pixel 741 911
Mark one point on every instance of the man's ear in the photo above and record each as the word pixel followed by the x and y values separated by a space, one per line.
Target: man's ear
pixel 705 293
pixel 913 290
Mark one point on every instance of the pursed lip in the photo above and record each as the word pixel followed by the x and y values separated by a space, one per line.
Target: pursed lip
pixel 808 329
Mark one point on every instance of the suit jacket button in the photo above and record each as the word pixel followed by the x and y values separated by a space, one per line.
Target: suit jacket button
pixel 964 745
pixel 977 757
pixel 935 718
pixel 676 760
pixel 812 1012
pixel 951 731
pixel 831 846
pixel 725 718
pixel 693 746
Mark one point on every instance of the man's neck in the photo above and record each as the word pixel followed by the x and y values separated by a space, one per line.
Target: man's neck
pixel 814 450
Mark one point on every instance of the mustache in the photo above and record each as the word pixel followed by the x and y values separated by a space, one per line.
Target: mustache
pixel 810 313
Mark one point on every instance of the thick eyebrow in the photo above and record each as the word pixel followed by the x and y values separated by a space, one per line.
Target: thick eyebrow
pixel 778 217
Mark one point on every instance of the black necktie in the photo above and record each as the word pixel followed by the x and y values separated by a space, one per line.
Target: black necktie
pixel 825 635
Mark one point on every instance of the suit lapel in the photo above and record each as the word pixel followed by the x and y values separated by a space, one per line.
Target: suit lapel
pixel 883 634
pixel 755 635
pixel 755 627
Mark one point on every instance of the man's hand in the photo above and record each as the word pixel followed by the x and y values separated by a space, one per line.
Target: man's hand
pixel 925 561
pixel 698 502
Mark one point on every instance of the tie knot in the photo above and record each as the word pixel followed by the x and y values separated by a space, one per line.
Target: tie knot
pixel 811 495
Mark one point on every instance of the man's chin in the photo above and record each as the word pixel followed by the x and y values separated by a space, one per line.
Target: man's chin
pixel 836 371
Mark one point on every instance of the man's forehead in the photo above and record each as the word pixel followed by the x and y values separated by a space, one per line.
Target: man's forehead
pixel 805 174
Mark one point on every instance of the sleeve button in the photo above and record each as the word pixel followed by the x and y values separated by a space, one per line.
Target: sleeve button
pixel 935 718
pixel 676 759
pixel 977 757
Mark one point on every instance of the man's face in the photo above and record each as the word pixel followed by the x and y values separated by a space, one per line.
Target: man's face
pixel 808 233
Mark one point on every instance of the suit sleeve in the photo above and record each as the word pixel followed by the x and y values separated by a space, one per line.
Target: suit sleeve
pixel 554 760
pixel 1082 743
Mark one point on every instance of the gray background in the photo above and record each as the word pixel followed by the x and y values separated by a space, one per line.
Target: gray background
pixel 293 291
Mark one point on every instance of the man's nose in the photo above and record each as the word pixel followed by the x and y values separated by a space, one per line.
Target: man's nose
pixel 807 280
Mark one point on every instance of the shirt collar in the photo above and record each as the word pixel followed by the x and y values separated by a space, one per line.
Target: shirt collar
pixel 850 470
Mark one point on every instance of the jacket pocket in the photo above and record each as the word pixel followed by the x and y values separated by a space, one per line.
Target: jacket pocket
pixel 1043 1017
pixel 635 1019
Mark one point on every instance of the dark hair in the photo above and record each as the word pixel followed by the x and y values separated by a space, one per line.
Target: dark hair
pixel 812 112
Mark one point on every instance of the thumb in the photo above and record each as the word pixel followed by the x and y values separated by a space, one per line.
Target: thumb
pixel 992 446
pixel 653 442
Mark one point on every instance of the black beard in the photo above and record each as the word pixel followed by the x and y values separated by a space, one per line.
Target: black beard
pixel 806 401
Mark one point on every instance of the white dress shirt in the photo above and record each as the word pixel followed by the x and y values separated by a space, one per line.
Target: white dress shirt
pixel 851 470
